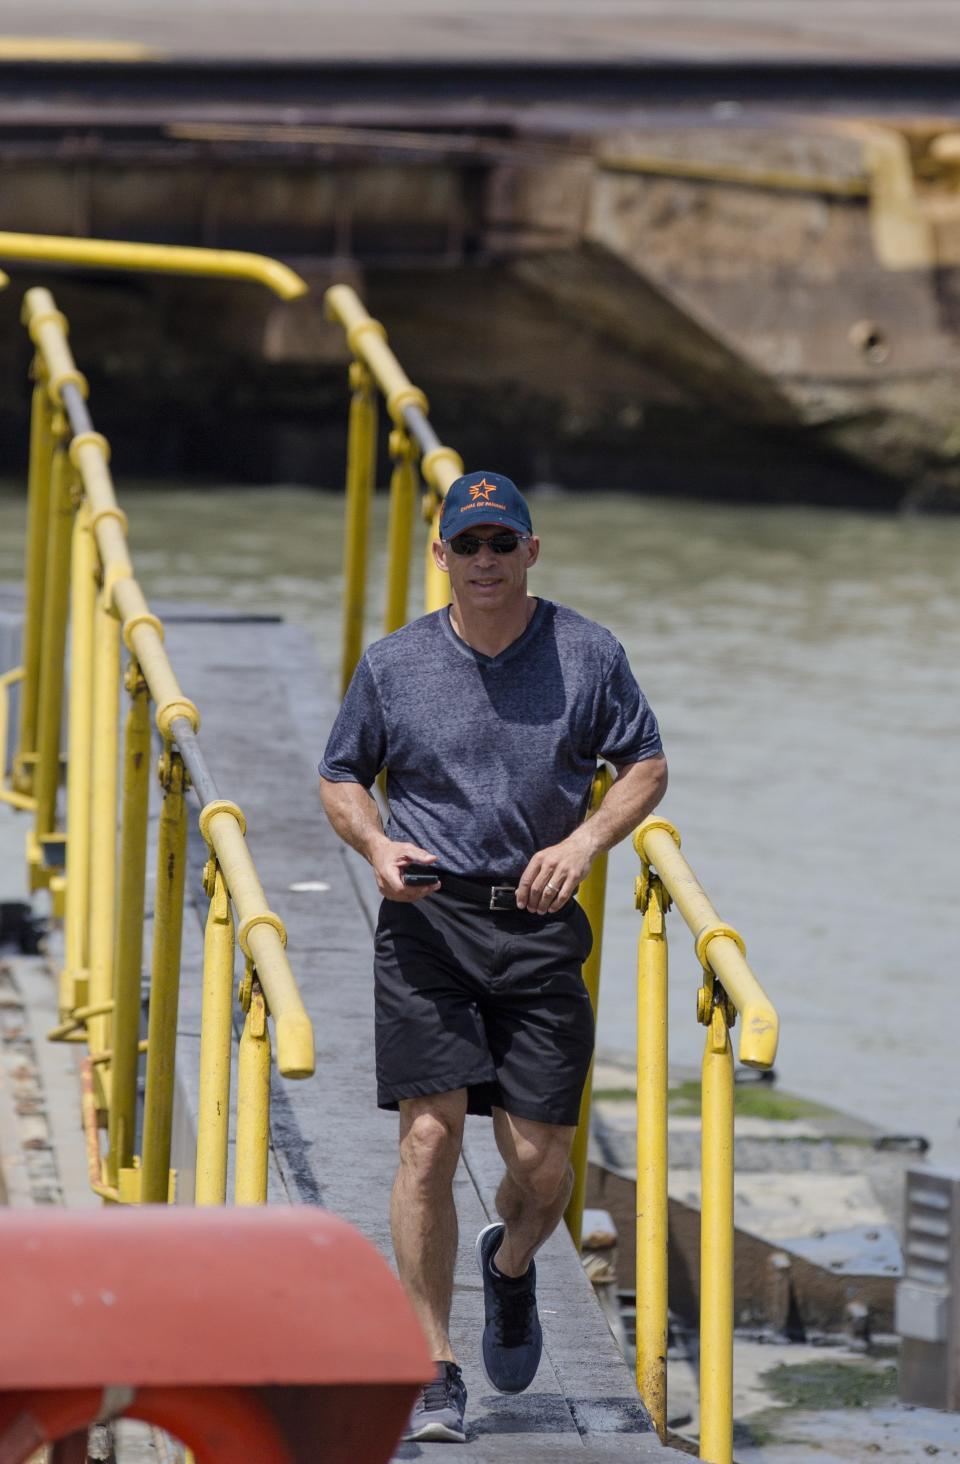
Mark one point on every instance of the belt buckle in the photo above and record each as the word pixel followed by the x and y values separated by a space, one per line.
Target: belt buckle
pixel 503 897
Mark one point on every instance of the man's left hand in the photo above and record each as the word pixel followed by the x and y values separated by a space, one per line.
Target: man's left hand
pixel 552 876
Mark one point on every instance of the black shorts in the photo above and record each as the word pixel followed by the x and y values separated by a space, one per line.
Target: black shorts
pixel 490 1001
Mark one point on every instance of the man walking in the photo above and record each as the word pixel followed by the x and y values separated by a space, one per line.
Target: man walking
pixel 489 716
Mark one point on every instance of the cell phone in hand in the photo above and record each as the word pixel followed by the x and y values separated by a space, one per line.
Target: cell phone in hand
pixel 417 875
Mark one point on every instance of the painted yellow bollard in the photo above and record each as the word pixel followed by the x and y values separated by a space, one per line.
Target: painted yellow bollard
pixel 361 469
pixel 83 596
pixel 716 1244
pixel 652 1215
pixel 103 817
pixel 403 494
pixel 216 1040
pixel 253 1104
pixel 592 897
pixel 38 516
pixel 129 955
pixel 56 598
pixel 164 983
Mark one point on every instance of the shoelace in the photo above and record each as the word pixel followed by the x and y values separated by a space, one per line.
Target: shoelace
pixel 514 1315
pixel 439 1392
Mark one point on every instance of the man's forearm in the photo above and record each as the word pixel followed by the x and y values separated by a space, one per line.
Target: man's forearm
pixel 353 814
pixel 636 792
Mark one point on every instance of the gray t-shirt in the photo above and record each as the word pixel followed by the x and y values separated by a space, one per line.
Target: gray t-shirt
pixel 489 758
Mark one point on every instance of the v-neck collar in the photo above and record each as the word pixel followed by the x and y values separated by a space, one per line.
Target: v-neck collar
pixel 508 652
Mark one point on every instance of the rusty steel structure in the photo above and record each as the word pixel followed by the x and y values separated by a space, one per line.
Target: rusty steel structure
pixel 703 267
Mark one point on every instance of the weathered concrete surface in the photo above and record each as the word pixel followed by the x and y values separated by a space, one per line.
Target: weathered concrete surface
pixel 265 715
pixel 738 30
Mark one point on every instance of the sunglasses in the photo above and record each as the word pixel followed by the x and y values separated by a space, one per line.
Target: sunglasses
pixel 504 543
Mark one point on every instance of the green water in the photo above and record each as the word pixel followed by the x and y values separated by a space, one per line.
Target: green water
pixel 803 665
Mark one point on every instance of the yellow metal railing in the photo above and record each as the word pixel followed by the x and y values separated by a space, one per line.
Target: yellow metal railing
pixel 413 441
pixel 729 989
pixel 176 259
pixel 79 574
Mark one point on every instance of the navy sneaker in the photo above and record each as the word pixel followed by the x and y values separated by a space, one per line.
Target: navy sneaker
pixel 512 1339
pixel 438 1412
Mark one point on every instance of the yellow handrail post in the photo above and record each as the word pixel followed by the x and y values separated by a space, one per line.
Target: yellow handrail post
pixel 652 1212
pixel 361 472
pixel 716 1239
pixel 367 340
pixel 403 494
pixel 164 981
pixel 129 952
pixel 216 1038
pixel 253 1099
pixel 103 820
pixel 592 896
pixel 56 599
pixel 261 937
pixel 74 979
pixel 729 988
pixel 38 516
pixel 440 468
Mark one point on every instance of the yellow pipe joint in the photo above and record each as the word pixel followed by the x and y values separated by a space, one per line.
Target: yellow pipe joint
pixel 88 439
pixel 361 328
pixel 220 805
pixel 117 514
pixel 367 340
pixel 145 617
pixel 440 467
pixel 647 827
pixel 262 917
pixel 47 328
pixel 710 933
pixel 169 711
pixel 406 396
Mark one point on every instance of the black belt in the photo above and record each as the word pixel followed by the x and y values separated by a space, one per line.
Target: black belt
pixel 493 896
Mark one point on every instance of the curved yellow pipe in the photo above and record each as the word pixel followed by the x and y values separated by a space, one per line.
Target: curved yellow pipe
pixel 717 944
pixel 156 259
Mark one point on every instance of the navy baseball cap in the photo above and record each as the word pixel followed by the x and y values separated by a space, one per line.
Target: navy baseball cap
pixel 483 498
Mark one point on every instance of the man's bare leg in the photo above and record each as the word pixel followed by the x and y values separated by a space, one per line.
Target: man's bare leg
pixel 423 1217
pixel 533 1193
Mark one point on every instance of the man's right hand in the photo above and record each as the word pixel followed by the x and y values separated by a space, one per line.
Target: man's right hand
pixel 389 860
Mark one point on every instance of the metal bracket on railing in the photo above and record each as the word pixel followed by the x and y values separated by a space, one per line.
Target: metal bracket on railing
pixel 359 378
pixel 711 998
pixel 171 770
pixel 10 795
pixel 245 989
pixel 647 884
pixel 711 994
pixel 74 1027
pixel 430 502
pixel 257 1007
pixel 402 447
pixel 134 681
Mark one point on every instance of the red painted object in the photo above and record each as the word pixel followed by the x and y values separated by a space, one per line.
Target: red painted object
pixel 268 1336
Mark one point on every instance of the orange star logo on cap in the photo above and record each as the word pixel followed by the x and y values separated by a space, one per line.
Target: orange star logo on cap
pixel 483 489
